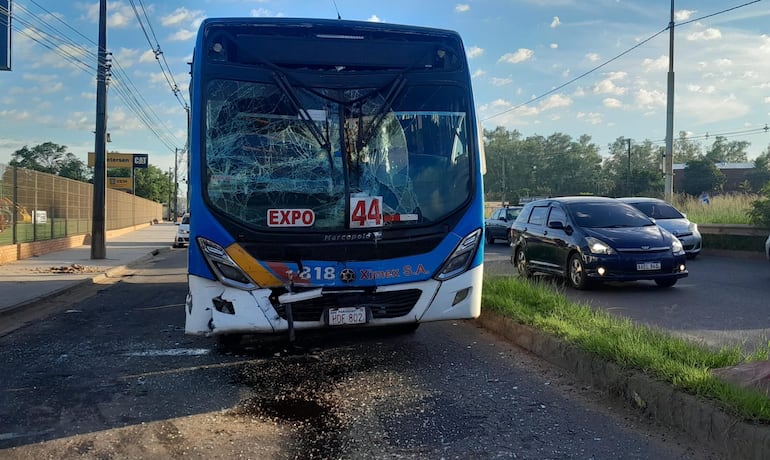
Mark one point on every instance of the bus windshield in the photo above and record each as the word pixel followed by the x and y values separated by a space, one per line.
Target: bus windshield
pixel 269 145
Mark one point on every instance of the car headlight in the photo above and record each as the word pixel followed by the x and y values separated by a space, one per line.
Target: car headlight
pixel 693 227
pixel 676 247
pixel 597 246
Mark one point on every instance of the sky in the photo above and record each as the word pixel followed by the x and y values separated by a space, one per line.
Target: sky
pixel 579 67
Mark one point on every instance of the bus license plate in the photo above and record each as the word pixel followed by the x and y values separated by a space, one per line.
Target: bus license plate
pixel 348 315
pixel 648 266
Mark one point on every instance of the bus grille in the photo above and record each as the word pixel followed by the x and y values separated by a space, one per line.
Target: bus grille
pixel 382 304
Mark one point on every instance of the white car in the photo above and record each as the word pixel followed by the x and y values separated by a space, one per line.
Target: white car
pixel 182 237
pixel 671 219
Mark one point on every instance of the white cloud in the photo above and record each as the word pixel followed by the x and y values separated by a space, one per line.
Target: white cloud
pixel 590 117
pixel 710 89
pixel 521 55
pixel 593 57
pixel 683 15
pixel 501 81
pixel 147 56
pixel 475 51
pixel 374 18
pixel 478 73
pixel 767 100
pixel 265 13
pixel 657 64
pixel 704 35
pixel 182 35
pixel 126 57
pixel 554 46
pixel 556 101
pixel 462 7
pixel 119 14
pixel 556 22
pixel 181 16
pixel 608 86
pixel 649 99
pixel 612 103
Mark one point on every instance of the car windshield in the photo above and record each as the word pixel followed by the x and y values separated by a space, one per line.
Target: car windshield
pixel 658 210
pixel 186 219
pixel 606 215
pixel 512 213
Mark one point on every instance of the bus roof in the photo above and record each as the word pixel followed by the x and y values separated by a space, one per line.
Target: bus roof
pixel 354 44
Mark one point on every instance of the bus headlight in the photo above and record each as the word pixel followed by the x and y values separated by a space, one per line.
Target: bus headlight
pixel 461 257
pixel 225 269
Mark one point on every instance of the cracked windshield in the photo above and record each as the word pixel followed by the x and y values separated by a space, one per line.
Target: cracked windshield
pixel 312 154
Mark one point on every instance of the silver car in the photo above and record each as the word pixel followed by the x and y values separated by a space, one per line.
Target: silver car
pixel 672 220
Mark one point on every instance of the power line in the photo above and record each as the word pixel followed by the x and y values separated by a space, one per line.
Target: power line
pixel 615 58
pixel 58 41
pixel 166 71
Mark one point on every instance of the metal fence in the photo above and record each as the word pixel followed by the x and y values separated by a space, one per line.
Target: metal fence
pixel 36 206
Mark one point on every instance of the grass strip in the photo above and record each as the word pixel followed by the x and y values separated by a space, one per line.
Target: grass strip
pixel 685 365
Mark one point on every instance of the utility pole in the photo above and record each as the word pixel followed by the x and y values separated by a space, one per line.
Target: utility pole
pixel 628 176
pixel 668 163
pixel 176 182
pixel 98 231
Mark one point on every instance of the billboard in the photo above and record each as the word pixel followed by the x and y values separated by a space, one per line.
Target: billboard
pixel 121 160
pixel 5 34
pixel 125 184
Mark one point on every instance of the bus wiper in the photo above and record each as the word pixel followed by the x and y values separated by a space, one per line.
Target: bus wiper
pixel 395 89
pixel 288 91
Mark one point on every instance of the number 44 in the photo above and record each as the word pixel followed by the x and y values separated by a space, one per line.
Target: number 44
pixel 365 212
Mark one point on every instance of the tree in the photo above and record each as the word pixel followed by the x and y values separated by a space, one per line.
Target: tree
pixel 153 184
pixel 760 208
pixel 634 173
pixel 686 150
pixel 50 158
pixel 45 157
pixel 73 168
pixel 729 152
pixel 702 176
pixel 760 176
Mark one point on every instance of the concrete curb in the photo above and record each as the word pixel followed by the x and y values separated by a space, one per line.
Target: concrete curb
pixel 701 420
pixel 111 272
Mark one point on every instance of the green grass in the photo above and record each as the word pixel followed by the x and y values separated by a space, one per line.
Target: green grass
pixel 683 364
pixel 723 209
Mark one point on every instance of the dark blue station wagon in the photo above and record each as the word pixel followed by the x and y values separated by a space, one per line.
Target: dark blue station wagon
pixel 588 240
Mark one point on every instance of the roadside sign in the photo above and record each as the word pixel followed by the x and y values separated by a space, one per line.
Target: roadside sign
pixel 5 34
pixel 121 160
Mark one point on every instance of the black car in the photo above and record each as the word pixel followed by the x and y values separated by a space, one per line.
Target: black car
pixel 497 227
pixel 594 239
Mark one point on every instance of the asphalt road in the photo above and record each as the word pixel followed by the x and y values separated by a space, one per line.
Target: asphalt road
pixel 113 376
pixel 723 301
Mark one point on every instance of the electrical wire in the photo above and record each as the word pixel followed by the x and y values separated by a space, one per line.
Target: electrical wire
pixel 615 58
pixel 164 68
pixel 46 34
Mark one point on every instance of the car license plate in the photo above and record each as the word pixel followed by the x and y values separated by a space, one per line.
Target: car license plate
pixel 347 315
pixel 645 266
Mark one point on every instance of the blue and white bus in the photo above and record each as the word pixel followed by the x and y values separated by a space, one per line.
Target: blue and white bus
pixel 335 177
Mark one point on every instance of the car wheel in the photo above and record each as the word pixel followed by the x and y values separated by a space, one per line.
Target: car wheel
pixel 521 263
pixel 666 282
pixel 489 237
pixel 576 274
